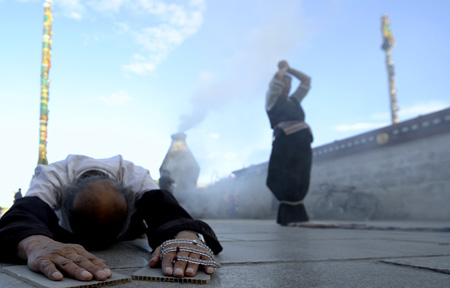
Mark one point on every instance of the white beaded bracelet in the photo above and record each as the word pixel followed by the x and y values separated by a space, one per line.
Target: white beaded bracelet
pixel 186 241
pixel 206 252
pixel 186 249
pixel 196 261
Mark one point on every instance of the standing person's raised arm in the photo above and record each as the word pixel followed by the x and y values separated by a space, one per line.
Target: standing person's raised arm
pixel 305 84
pixel 278 85
pixel 283 67
pixel 304 79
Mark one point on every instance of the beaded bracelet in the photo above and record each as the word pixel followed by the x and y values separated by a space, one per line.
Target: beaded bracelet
pixel 185 241
pixel 206 252
pixel 186 249
pixel 196 261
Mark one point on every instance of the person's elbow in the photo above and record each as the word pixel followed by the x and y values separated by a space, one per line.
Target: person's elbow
pixel 307 81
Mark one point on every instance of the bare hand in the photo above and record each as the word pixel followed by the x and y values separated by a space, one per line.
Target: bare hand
pixel 282 64
pixel 180 268
pixel 52 258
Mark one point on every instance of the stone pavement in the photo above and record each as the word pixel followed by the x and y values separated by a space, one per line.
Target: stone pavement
pixel 259 253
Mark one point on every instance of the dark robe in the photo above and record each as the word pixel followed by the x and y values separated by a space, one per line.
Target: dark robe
pixel 290 162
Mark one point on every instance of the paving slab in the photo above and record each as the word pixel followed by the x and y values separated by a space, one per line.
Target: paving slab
pixel 437 264
pixel 118 256
pixel 365 273
pixel 229 230
pixel 39 280
pixel 260 253
pixel 291 251
pixel 352 274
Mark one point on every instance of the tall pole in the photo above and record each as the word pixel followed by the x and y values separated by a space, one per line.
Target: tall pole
pixel 45 83
pixel 388 43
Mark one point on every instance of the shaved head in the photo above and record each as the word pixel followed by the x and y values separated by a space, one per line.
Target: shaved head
pixel 97 211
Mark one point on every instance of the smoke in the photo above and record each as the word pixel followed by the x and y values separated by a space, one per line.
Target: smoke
pixel 252 53
pixel 249 60
pixel 202 101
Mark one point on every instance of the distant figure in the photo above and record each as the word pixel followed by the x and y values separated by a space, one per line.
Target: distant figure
pixel 18 195
pixel 291 157
pixel 231 209
pixel 165 181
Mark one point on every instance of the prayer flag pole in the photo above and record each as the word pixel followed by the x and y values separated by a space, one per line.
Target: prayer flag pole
pixel 45 68
pixel 388 43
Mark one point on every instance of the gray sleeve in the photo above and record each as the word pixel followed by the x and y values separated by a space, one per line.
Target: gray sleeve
pixel 275 89
pixel 301 92
pixel 137 178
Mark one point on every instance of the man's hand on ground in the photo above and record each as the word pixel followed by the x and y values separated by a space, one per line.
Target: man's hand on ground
pixel 179 268
pixel 53 258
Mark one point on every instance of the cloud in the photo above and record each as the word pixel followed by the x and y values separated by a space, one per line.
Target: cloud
pixel 71 8
pixel 404 114
pixel 116 99
pixel 414 111
pixel 214 135
pixel 381 116
pixel 157 43
pixel 107 5
pixel 122 27
pixel 171 25
pixel 77 9
pixel 142 64
pixel 420 109
pixel 178 23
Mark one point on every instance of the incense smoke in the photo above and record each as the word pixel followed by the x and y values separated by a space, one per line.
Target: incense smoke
pixel 261 48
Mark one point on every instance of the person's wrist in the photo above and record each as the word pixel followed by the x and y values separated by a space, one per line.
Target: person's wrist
pixel 27 245
pixel 199 235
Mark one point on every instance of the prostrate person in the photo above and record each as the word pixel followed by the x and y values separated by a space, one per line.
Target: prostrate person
pixel 84 203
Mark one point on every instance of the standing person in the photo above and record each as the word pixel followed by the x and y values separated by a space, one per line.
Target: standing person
pixel 18 194
pixel 95 203
pixel 291 157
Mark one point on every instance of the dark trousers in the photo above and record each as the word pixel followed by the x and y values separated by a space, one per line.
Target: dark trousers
pixel 289 174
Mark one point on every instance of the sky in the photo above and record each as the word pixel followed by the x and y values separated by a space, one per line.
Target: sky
pixel 126 75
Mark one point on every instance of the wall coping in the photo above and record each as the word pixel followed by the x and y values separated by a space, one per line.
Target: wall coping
pixel 418 128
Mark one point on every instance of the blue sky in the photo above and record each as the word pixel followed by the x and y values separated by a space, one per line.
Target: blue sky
pixel 127 74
